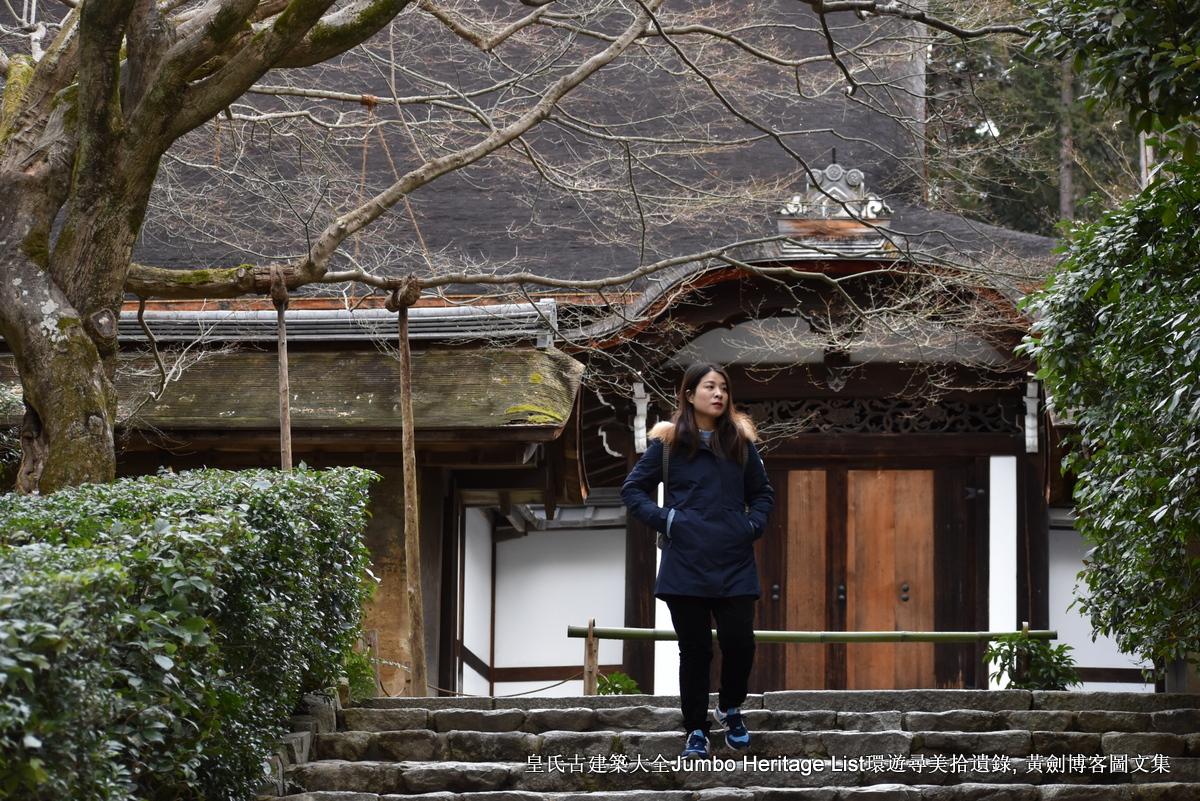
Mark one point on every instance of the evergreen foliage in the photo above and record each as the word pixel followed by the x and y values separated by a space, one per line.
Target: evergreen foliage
pixel 1030 664
pixel 1141 57
pixel 156 632
pixel 1117 340
pixel 995 137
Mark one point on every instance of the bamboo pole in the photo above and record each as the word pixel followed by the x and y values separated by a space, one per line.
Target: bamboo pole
pixel 591 660
pixel 617 633
pixel 279 295
pixel 399 302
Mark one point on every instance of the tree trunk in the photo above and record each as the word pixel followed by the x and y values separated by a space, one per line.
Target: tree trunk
pixel 1066 144
pixel 412 510
pixel 58 312
pixel 70 401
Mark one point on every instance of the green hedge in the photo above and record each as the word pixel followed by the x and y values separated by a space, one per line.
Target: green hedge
pixel 155 633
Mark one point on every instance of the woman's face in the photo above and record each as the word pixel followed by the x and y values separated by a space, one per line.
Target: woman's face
pixel 710 398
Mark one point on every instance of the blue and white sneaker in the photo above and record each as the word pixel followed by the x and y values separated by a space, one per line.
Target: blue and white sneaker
pixel 736 734
pixel 696 746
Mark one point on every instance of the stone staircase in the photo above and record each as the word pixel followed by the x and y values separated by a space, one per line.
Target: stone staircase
pixel 1013 745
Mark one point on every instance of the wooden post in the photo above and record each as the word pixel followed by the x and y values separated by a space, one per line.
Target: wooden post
pixel 373 653
pixel 591 660
pixel 279 295
pixel 399 302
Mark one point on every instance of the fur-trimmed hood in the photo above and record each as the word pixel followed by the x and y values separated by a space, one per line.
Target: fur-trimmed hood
pixel 665 430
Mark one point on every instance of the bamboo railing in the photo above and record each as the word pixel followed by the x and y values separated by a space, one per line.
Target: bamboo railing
pixel 592 634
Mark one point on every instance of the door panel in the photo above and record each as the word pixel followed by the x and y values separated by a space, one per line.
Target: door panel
pixel 806 578
pixel 889 575
pixel 872 533
pixel 914 553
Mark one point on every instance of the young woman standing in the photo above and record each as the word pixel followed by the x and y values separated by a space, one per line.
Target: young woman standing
pixel 716 504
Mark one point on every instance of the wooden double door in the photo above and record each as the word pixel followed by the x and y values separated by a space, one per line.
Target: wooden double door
pixel 858 549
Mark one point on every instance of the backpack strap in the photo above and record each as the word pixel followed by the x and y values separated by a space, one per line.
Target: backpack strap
pixel 666 467
pixel 661 540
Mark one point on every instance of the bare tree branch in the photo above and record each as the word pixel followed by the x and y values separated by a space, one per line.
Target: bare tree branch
pixel 891 8
pixel 315 264
pixel 486 43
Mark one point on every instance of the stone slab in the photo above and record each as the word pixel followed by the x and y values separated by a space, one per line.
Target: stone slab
pixel 981 792
pixel 569 719
pixel 344 745
pixel 897 700
pixel 1139 744
pixel 1058 743
pixel 1039 719
pixel 299 746
pixel 475 746
pixel 1117 702
pixel 499 720
pixel 347 776
pixel 367 719
pixel 403 746
pixel 1101 721
pixel 954 720
pixel 869 721
pixel 753 701
pixel 639 718
pixel 1176 721
pixel 1167 791
pixel 811 720
pixel 1001 743
pixel 432 702
pixel 325 795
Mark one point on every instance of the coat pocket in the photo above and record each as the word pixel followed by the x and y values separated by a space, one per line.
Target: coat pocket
pixel 740 528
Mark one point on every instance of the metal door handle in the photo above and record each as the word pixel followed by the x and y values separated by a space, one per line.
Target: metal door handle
pixel 774 592
pixel 841 593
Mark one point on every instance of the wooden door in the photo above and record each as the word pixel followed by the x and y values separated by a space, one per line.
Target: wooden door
pixel 804 602
pixel 849 542
pixel 889 576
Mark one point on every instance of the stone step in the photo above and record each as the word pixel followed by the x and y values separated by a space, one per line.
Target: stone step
pixel 413 778
pixel 478 746
pixel 839 701
pixel 1183 722
pixel 909 744
pixel 1169 791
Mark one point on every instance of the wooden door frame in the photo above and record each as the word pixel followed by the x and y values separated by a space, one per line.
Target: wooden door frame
pixel 960 563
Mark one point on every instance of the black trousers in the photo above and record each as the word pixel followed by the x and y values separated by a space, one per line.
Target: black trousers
pixel 692 618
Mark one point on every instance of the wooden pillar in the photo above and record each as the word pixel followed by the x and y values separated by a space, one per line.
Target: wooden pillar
pixel 399 302
pixel 279 295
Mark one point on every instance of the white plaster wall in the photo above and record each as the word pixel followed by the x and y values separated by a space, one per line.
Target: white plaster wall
pixel 666 652
pixel 1067 550
pixel 1002 546
pixel 548 580
pixel 473 683
pixel 538 688
pixel 477 588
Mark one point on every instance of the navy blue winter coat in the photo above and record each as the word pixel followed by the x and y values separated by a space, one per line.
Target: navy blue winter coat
pixel 716 507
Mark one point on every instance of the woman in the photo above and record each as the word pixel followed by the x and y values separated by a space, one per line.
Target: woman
pixel 715 506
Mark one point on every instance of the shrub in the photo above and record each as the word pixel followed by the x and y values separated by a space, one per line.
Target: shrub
pixel 1031 664
pixel 1118 344
pixel 616 683
pixel 156 632
pixel 360 672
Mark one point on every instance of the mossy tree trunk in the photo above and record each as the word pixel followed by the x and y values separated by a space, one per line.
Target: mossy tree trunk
pixel 82 131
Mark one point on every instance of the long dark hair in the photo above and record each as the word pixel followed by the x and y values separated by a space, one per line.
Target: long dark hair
pixel 728 441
